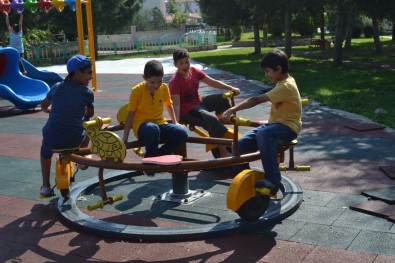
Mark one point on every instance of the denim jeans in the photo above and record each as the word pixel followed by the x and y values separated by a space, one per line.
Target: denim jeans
pixel 171 135
pixel 265 139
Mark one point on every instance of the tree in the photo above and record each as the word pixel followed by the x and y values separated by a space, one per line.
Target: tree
pixel 157 18
pixel 141 21
pixel 252 8
pixel 179 18
pixel 171 7
pixel 258 12
pixel 338 52
pixel 213 12
pixel 377 10
pixel 316 10
pixel 350 23
pixel 108 17
pixel 114 16
pixel 287 29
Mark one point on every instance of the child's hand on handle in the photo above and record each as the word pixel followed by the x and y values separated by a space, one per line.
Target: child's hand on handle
pixel 47 110
pixel 236 91
pixel 226 115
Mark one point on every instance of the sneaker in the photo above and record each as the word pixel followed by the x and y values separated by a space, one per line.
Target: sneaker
pixel 262 186
pixel 82 167
pixel 267 184
pixel 149 174
pixel 46 191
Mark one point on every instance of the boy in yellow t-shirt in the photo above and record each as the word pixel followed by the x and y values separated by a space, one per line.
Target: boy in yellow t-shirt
pixel 145 114
pixel 284 122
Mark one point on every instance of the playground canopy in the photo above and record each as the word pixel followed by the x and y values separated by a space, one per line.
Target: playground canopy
pixel 33 6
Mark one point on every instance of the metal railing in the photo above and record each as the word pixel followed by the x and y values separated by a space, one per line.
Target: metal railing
pixel 51 53
pixel 61 52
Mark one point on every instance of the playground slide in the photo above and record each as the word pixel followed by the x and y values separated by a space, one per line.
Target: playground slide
pixel 51 78
pixel 25 93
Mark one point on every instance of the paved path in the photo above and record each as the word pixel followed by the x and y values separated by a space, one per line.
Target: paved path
pixel 344 162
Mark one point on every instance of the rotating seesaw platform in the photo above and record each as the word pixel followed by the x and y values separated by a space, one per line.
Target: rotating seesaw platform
pixel 186 225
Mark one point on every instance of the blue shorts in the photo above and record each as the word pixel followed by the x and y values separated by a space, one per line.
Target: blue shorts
pixel 47 149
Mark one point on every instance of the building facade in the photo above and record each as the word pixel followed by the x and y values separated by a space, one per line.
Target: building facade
pixel 189 7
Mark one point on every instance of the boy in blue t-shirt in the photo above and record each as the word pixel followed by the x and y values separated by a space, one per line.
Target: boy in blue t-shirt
pixel 69 103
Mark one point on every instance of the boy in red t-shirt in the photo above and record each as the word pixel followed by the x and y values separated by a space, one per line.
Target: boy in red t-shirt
pixel 190 106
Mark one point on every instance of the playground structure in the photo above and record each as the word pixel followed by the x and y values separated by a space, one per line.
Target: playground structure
pixel 75 5
pixel 249 202
pixel 51 78
pixel 25 93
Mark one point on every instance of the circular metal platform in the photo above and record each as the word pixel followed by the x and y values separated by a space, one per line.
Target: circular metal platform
pixel 72 216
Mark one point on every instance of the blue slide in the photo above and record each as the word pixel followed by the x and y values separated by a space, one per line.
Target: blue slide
pixel 51 78
pixel 24 92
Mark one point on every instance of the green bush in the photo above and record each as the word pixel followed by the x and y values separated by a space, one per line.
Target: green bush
pixel 367 28
pixel 367 31
pixel 276 27
pixel 303 24
pixel 236 32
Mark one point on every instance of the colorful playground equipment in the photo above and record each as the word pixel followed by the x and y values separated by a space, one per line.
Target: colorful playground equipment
pixel 75 5
pixel 243 198
pixel 252 204
pixel 49 77
pixel 25 93
pixel 34 5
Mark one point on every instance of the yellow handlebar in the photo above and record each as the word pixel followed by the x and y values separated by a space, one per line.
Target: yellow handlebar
pixel 101 203
pixel 138 151
pixel 96 122
pixel 116 198
pixel 229 94
pixel 97 205
pixel 240 121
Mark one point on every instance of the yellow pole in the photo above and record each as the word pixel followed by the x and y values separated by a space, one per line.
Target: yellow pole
pixel 92 53
pixel 80 26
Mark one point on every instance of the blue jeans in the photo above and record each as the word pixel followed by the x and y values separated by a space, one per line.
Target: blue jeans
pixel 265 139
pixel 171 135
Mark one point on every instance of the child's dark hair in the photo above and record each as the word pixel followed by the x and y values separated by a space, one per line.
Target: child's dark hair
pixel 275 58
pixel 83 69
pixel 153 68
pixel 180 53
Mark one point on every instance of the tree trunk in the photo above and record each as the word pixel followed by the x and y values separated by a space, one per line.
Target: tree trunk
pixel 257 40
pixel 393 29
pixel 288 30
pixel 376 35
pixel 350 22
pixel 322 28
pixel 265 36
pixel 338 52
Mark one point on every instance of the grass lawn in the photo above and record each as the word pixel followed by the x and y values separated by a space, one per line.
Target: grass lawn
pixel 362 84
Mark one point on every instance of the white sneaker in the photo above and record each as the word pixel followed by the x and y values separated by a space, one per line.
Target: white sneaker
pixel 46 191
